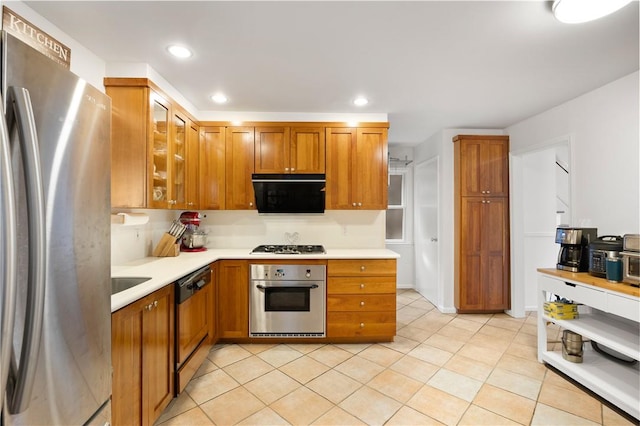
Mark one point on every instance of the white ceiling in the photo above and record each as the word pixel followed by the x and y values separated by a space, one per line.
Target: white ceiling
pixel 427 64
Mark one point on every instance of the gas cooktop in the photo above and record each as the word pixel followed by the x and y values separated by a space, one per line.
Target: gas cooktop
pixel 289 249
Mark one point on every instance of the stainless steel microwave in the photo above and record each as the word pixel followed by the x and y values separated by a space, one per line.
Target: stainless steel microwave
pixel 289 193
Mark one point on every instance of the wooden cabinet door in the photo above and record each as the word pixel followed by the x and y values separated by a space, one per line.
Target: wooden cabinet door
pixel 177 195
pixel 212 168
pixel 158 353
pixel 160 167
pixel 192 167
pixel 371 169
pixel 340 164
pixel 233 289
pixel 272 150
pixel 126 359
pixel 307 150
pixel 213 304
pixel 471 292
pixel 142 352
pixel 129 146
pixel 239 160
pixel 495 253
pixel 484 254
pixel 484 166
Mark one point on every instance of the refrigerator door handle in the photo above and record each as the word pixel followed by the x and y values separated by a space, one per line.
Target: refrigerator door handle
pixel 20 115
pixel 9 247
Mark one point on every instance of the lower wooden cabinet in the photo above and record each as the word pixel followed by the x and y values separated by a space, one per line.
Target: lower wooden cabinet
pixel 233 296
pixel 361 299
pixel 142 351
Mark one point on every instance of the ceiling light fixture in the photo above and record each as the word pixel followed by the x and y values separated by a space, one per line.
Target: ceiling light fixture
pixel 578 11
pixel 179 51
pixel 360 101
pixel 219 98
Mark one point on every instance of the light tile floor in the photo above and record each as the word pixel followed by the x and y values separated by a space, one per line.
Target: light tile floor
pixel 441 369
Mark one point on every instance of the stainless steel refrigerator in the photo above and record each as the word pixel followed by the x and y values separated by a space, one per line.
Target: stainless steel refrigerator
pixel 54 243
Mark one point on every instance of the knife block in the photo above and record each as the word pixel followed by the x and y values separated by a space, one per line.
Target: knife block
pixel 167 246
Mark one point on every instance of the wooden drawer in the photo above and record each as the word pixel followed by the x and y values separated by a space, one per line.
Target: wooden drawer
pixel 351 324
pixel 359 267
pixel 361 285
pixel 360 303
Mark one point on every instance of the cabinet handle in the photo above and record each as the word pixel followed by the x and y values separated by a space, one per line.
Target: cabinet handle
pixel 361 303
pixel 488 201
pixel 251 204
pixel 155 303
pixel 190 204
pixel 359 204
pixel 354 204
pixel 362 268
pixel 361 325
pixel 286 169
pixel 293 169
pixel 361 285
pixel 484 202
pixel 488 192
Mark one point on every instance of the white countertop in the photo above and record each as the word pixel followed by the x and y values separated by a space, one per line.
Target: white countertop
pixel 165 270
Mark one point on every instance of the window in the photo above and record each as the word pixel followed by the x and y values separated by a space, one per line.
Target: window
pixel 396 209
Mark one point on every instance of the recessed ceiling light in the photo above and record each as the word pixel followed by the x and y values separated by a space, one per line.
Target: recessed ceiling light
pixel 360 101
pixel 179 51
pixel 219 98
pixel 578 11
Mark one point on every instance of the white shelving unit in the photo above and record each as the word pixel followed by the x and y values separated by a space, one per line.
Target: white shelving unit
pixel 612 322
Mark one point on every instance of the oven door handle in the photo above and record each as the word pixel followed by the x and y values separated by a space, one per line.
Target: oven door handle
pixel 262 287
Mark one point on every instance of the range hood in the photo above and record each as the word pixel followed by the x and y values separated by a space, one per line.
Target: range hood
pixel 289 193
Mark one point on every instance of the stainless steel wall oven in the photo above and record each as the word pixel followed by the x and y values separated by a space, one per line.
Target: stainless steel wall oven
pixel 287 301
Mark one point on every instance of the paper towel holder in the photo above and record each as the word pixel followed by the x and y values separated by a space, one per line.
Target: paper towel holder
pixel 129 219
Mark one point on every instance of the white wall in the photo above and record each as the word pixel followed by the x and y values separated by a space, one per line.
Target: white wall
pixel 246 229
pixel 605 155
pixel 602 129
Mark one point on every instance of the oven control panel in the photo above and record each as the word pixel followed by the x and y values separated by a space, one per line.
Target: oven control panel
pixel 288 272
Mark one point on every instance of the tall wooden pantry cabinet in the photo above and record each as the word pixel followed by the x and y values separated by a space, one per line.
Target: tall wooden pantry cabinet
pixel 481 229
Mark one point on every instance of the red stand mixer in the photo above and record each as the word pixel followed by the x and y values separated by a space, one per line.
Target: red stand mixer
pixel 193 238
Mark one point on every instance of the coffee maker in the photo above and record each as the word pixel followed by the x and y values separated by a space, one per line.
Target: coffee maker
pixel 574 248
pixel 193 239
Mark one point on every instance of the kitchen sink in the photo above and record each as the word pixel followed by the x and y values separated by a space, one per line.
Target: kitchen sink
pixel 119 284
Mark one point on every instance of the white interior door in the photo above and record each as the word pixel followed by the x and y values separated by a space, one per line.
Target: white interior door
pixel 426 229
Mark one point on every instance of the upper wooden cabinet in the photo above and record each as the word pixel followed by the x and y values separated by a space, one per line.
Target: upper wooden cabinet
pixel 289 150
pixel 356 168
pixel 192 189
pixel 149 137
pixel 272 150
pixel 484 165
pixel 239 158
pixel 212 168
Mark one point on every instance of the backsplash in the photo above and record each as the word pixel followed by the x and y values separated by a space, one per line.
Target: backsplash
pixel 246 229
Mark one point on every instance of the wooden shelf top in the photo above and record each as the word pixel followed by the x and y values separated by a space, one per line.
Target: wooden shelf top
pixel 585 278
